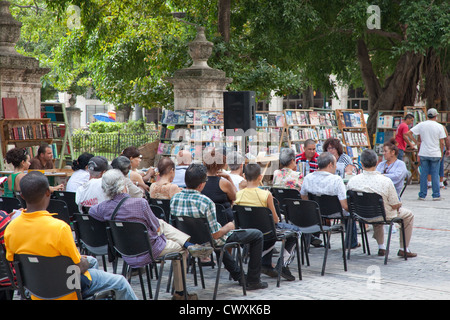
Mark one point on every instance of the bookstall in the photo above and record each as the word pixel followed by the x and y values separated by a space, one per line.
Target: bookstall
pixel 352 125
pixel 387 124
pixel 271 132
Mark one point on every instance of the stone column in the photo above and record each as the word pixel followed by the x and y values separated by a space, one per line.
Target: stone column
pixel 199 86
pixel 20 76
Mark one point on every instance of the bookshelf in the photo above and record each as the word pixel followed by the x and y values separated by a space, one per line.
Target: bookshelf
pixel 387 124
pixel 270 131
pixel 444 118
pixel 316 124
pixel 352 125
pixel 62 140
pixel 24 133
pixel 192 130
pixel 419 113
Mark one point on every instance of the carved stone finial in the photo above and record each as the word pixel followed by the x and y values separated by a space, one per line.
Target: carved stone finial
pixel 9 30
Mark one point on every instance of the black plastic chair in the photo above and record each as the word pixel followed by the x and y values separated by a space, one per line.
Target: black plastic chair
pixel 6 273
pixel 164 204
pixel 91 236
pixel 158 211
pixel 8 204
pixel 131 239
pixel 279 194
pixel 261 218
pixel 69 198
pixel 407 182
pixel 331 209
pixel 198 229
pixel 22 201
pixel 306 215
pixel 368 208
pixel 221 214
pixel 60 207
pixel 48 278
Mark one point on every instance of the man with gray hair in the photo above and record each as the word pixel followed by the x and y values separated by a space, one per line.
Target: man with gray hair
pixel 374 182
pixel 324 181
pixel 163 236
pixel 91 192
pixel 236 164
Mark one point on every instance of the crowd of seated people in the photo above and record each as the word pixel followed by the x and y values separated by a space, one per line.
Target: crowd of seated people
pixel 194 189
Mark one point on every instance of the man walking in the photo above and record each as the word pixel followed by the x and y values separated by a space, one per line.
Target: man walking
pixel 432 140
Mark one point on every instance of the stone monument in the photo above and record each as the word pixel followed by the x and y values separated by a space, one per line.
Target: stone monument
pixel 199 86
pixel 20 76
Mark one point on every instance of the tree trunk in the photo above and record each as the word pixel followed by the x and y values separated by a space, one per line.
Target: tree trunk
pixel 399 90
pixel 224 19
pixel 308 98
pixel 434 84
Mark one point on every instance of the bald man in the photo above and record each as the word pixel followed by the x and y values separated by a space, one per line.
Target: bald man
pixel 184 159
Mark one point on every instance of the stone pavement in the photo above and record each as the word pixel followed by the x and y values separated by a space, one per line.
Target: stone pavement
pixel 426 277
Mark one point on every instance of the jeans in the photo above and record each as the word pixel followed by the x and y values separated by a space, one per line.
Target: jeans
pixel 254 238
pixel 102 281
pixel 429 166
pixel 401 153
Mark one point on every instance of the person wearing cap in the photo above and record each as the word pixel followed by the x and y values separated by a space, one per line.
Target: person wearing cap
pixel 91 193
pixel 432 141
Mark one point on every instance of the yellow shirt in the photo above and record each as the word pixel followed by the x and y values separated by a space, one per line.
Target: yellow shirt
pixel 252 197
pixel 39 233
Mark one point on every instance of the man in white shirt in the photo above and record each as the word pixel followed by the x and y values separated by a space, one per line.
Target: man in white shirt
pixel 324 181
pixel 373 181
pixel 236 163
pixel 184 159
pixel 91 193
pixel 432 141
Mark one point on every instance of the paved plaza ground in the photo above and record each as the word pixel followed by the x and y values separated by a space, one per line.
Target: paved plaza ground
pixel 426 277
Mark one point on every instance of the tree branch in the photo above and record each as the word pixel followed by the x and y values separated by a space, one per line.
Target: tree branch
pixel 387 34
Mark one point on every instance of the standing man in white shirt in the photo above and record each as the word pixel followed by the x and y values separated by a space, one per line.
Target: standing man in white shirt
pixel 432 141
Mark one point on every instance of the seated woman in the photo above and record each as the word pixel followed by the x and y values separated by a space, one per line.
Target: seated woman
pixel 391 167
pixel 219 186
pixel 163 188
pixel 80 175
pixel 344 164
pixel 20 159
pixel 287 176
pixel 252 196
pixel 135 176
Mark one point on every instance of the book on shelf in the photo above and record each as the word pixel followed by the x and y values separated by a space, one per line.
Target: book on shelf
pixel 314 118
pixel 385 122
pixel 379 137
pixel 192 116
pixel 397 121
pixel 34 132
pixel 10 108
pixel 352 119
pixel 271 120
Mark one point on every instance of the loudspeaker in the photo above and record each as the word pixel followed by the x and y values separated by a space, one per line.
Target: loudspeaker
pixel 239 109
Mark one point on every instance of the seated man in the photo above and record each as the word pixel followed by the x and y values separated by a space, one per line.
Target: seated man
pixel 91 192
pixel 252 196
pixel 44 158
pixel 35 231
pixel 184 159
pixel 324 181
pixel 373 181
pixel 164 238
pixel 192 203
pixel 236 163
pixel 307 161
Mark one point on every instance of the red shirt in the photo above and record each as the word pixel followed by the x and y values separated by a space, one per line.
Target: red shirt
pixel 402 129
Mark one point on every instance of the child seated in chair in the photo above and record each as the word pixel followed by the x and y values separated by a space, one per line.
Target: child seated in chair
pixel 253 196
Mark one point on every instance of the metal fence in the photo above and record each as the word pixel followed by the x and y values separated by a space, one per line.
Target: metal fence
pixel 109 145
